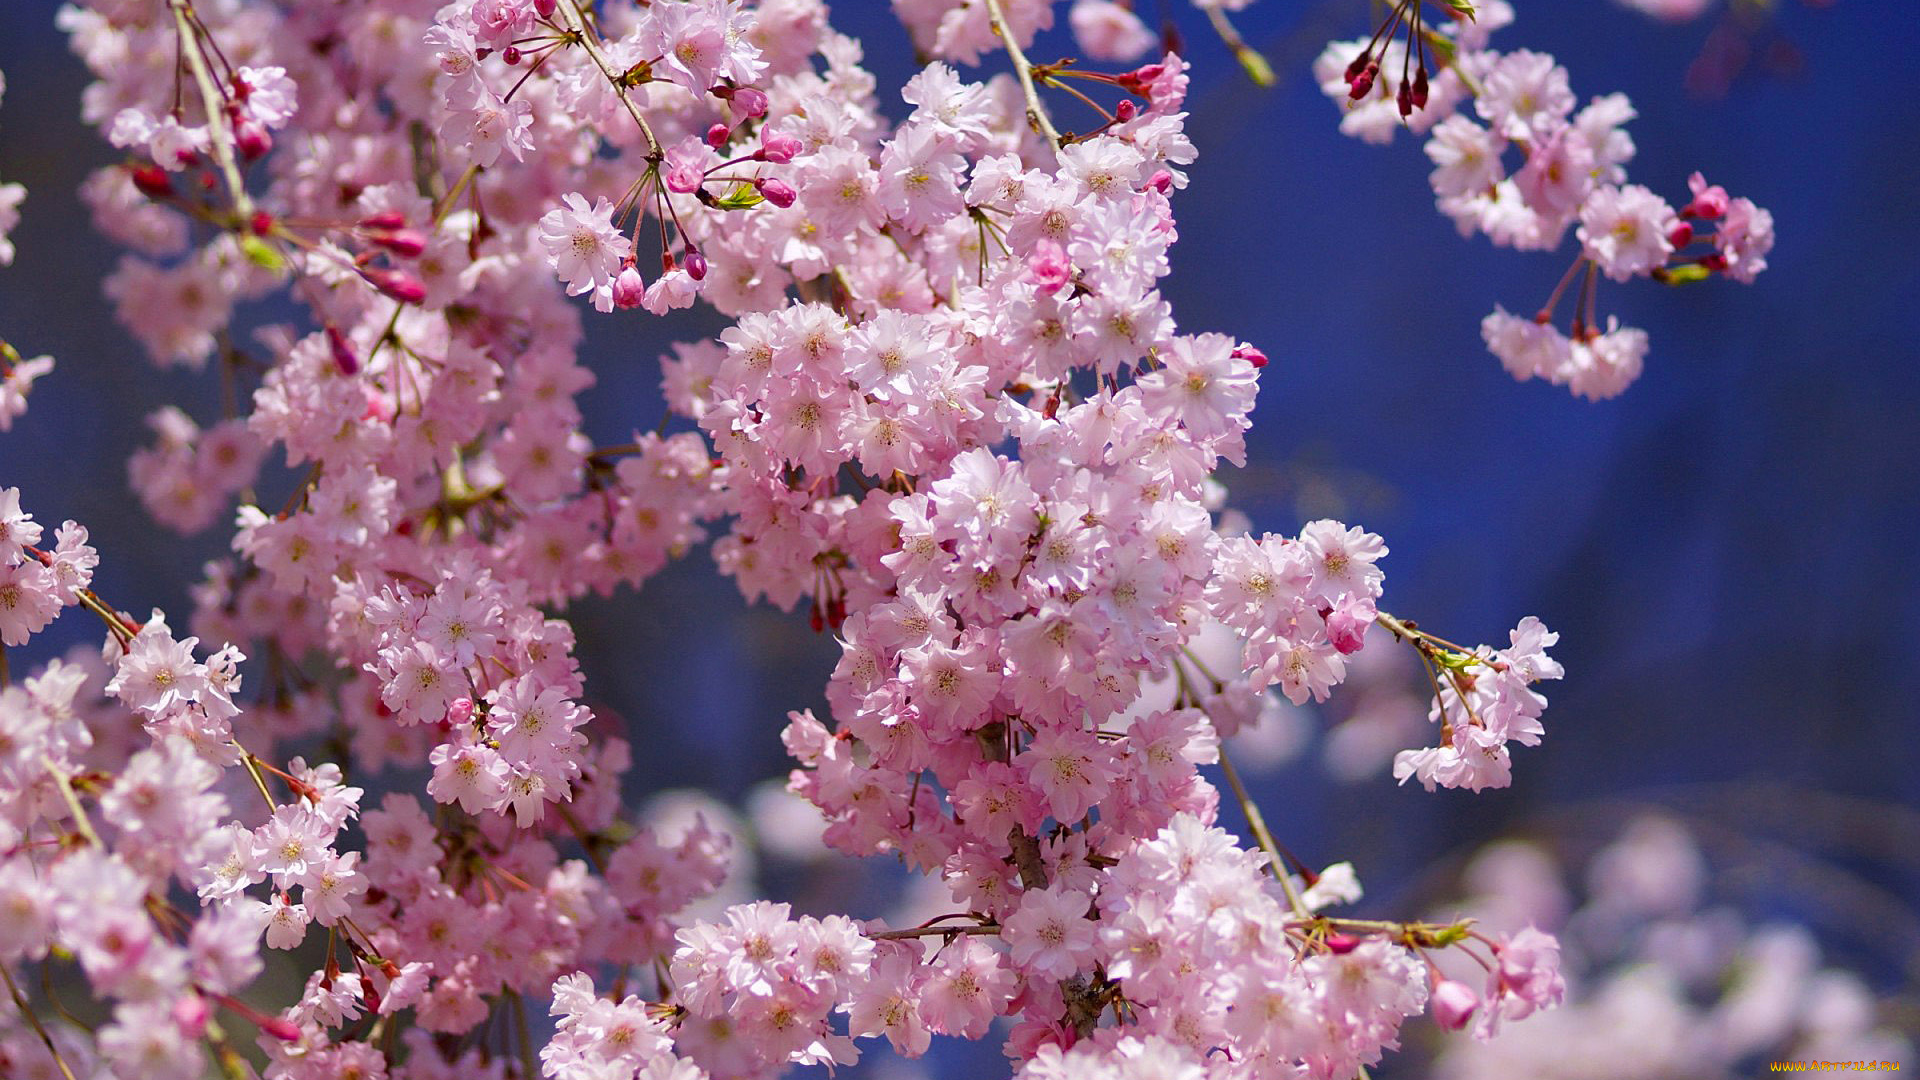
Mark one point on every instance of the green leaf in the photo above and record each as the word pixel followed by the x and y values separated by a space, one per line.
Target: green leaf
pixel 261 254
pixel 1684 274
pixel 1463 8
pixel 740 198
pixel 1256 65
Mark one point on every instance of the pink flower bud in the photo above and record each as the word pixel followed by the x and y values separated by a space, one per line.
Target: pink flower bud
pixel 344 358
pixel 1709 200
pixel 1125 111
pixel 385 219
pixel 380 407
pixel 628 288
pixel 1162 182
pixel 252 141
pixel 1680 235
pixel 190 1013
pixel 261 223
pixel 1453 1004
pixel 511 54
pixel 1347 624
pixel 460 711
pixel 696 264
pixel 750 102
pixel 777 192
pixel 280 1028
pixel 1341 944
pixel 1251 355
pixel 544 8
pixel 777 148
pixel 406 243
pixel 397 284
pixel 717 135
pixel 1048 267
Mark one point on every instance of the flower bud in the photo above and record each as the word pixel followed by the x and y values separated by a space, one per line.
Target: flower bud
pixel 385 219
pixel 397 284
pixel 190 1014
pixel 1362 84
pixel 1347 624
pixel 152 181
pixel 777 192
pixel 750 102
pixel 252 141
pixel 1251 355
pixel 628 287
pixel 261 223
pixel 460 711
pixel 1125 111
pixel 1341 944
pixel 544 8
pixel 777 148
pixel 344 358
pixel 1048 267
pixel 717 135
pixel 280 1028
pixel 1453 1004
pixel 696 264
pixel 406 243
pixel 1680 235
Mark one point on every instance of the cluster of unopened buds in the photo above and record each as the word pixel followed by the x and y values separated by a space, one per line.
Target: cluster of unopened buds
pixel 952 416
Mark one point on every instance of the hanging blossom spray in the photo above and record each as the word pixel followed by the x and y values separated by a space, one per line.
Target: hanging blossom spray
pixel 952 419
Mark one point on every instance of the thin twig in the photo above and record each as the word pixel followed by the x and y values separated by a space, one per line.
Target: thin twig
pixel 587 38
pixel 214 103
pixel 65 784
pixel 933 931
pixel 1037 117
pixel 1259 826
pixel 33 1021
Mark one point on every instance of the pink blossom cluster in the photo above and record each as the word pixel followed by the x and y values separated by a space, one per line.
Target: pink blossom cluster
pixel 952 414
pixel 1572 175
pixel 35 583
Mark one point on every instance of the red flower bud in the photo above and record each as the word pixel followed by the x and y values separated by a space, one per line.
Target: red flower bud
pixel 152 181
pixel 397 284
pixel 406 243
pixel 344 358
pixel 252 141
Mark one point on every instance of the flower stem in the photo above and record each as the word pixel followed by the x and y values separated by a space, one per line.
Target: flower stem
pixel 1037 117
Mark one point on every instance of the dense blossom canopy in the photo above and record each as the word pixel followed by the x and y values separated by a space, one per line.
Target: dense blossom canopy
pixel 953 418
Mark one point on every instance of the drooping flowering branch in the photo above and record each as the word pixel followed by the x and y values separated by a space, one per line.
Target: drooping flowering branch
pixel 952 413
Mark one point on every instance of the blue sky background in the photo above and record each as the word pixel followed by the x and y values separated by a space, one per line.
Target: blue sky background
pixel 1726 550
